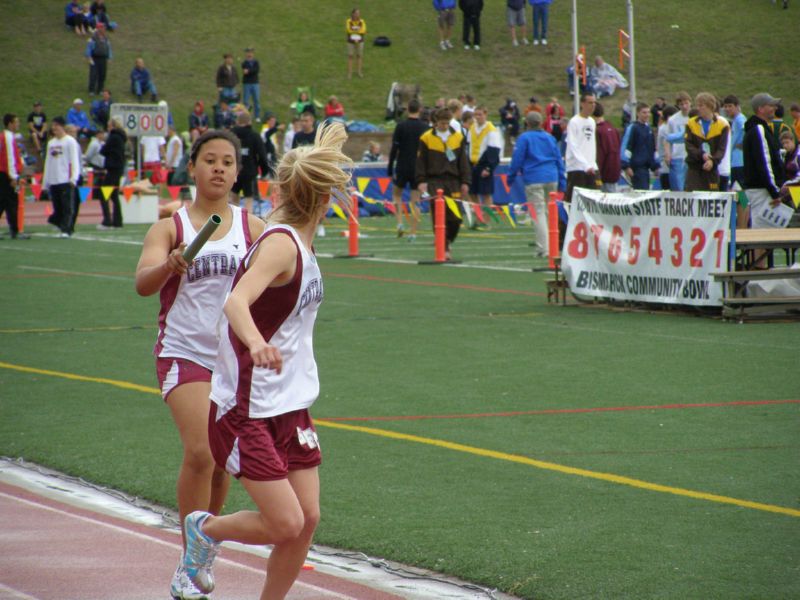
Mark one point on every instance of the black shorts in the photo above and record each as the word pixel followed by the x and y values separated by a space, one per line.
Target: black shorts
pixel 248 186
pixel 483 186
pixel 403 179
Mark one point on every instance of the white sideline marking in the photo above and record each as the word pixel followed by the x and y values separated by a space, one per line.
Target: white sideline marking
pixel 95 275
pixel 7 593
pixel 173 545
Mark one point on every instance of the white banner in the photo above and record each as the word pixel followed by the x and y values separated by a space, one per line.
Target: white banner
pixel 648 246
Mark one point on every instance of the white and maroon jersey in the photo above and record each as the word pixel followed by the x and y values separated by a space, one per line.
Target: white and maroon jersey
pixel 191 304
pixel 285 316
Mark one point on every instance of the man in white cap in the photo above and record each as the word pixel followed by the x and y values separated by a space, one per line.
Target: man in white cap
pixel 763 167
pixel 77 116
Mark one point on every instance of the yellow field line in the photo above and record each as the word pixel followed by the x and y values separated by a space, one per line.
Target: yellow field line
pixel 539 464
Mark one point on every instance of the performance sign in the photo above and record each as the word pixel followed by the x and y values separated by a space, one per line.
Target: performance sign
pixel 142 119
pixel 648 246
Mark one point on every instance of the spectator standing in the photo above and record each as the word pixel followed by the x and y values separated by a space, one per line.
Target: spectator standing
pixel 581 154
pixel 269 132
pixel 114 153
pixel 37 125
pixel 227 79
pixel 174 154
pixel 153 156
pixel 94 159
pixel 198 121
pixel 101 110
pixel 509 119
pixel 141 82
pixel 553 115
pixel 471 16
pixel 356 29
pixel 334 108
pixel 254 158
pixel 706 139
pixel 10 171
pixel 663 147
pixel 308 131
pixel 733 113
pixel 288 138
pixel 608 150
pixel 445 19
pixel 639 151
pixel 485 146
pixel 515 16
pixel 62 169
pixel 541 16
pixel 98 53
pixel 442 163
pixel 763 167
pixel 402 167
pixel 676 129
pixel 251 89
pixel 468 105
pixel 655 111
pixel 537 156
pixel 456 109
pixel 77 116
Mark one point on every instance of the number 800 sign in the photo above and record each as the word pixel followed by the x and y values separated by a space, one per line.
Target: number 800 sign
pixel 142 119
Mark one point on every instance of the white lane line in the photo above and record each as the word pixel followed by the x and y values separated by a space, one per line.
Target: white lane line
pixel 174 545
pixel 65 272
pixel 9 593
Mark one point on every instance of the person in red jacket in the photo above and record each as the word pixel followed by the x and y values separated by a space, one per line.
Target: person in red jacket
pixel 10 172
pixel 608 157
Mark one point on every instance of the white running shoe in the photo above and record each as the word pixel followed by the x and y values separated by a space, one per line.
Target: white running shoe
pixel 449 44
pixel 476 47
pixel 544 42
pixel 442 45
pixel 466 46
pixel 525 41
pixel 514 42
pixel 182 588
pixel 535 42
pixel 200 552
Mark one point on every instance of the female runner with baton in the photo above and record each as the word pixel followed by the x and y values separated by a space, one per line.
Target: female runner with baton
pixel 265 378
pixel 192 295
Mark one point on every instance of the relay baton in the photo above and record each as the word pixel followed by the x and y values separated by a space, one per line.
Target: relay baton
pixel 206 232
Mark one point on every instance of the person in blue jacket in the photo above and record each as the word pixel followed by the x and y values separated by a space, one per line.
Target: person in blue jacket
pixel 77 116
pixel 541 12
pixel 638 149
pixel 445 19
pixel 537 156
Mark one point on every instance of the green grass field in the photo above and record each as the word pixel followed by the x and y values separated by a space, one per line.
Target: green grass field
pixel 467 425
pixel 730 46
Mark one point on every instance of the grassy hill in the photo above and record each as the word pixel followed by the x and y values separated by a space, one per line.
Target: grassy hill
pixel 739 46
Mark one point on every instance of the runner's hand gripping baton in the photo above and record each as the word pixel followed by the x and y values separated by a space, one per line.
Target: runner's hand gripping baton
pixel 206 232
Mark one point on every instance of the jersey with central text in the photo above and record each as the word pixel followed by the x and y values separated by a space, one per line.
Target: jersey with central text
pixel 285 316
pixel 191 304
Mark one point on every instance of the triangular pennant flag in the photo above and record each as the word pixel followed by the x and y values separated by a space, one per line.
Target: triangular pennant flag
pixel 132 175
pixel 263 188
pixel 84 192
pixel 453 206
pixel 492 212
pixel 507 213
pixel 383 183
pixel 741 198
pixel 174 190
pixel 479 213
pixel 37 177
pixel 504 179
pixel 127 191
pixel 107 191
pixel 795 193
pixel 90 179
pixel 532 211
pixel 37 190
pixel 390 207
pixel 338 211
pixel 362 183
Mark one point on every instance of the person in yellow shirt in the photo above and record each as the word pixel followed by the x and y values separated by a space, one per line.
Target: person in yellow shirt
pixel 356 29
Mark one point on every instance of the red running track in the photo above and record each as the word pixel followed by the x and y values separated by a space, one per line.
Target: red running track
pixel 54 551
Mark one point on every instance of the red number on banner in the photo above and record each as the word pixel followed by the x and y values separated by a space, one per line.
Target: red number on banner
pixel 719 235
pixel 615 244
pixel 677 235
pixel 579 246
pixel 144 122
pixel 699 239
pixel 635 244
pixel 654 245
pixel 159 121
